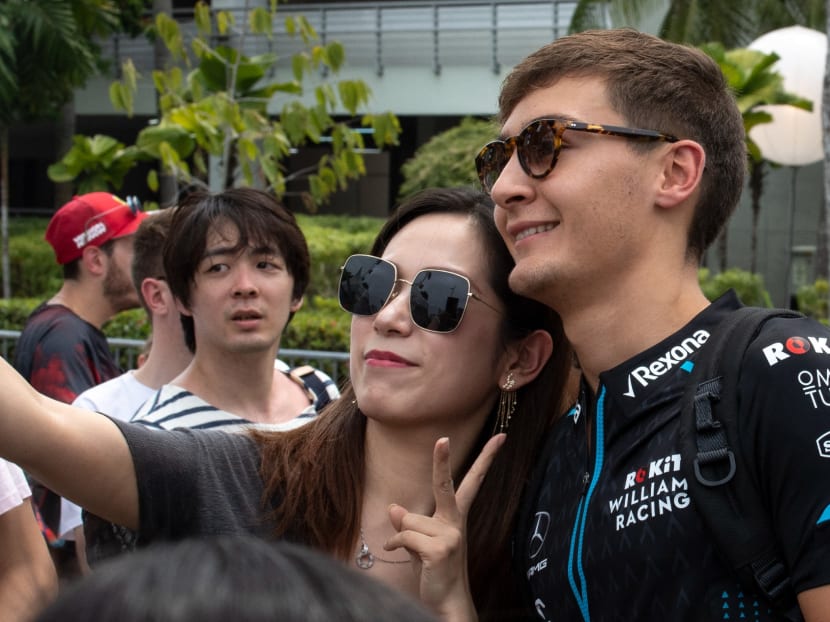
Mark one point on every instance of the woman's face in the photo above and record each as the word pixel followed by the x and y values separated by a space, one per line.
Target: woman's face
pixel 404 375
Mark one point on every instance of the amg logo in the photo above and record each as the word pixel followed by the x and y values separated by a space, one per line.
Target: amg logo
pixel 776 352
pixel 645 374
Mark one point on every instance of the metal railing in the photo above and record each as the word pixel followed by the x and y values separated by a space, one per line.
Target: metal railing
pixel 126 351
pixel 381 35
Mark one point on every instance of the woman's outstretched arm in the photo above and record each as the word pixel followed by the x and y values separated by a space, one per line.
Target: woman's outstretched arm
pixel 79 454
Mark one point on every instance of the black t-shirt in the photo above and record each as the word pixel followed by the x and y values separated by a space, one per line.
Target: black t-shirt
pixel 196 483
pixel 611 533
pixel 61 355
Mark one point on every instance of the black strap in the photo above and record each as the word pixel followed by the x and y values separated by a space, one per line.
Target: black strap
pixel 722 483
pixel 312 382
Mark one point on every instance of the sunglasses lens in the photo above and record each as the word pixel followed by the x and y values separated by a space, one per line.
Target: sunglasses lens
pixel 490 162
pixel 437 300
pixel 365 284
pixel 537 148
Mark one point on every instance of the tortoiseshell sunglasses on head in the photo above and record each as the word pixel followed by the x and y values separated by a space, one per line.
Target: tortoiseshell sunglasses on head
pixel 539 143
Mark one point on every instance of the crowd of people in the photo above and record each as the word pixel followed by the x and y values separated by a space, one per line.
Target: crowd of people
pixel 508 445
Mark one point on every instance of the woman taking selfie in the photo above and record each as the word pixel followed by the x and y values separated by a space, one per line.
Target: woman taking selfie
pixel 407 477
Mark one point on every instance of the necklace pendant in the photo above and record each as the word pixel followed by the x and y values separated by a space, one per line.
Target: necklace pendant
pixel 364 558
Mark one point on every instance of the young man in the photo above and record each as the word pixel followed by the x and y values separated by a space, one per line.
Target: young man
pixel 62 350
pixel 236 265
pixel 622 158
pixel 122 396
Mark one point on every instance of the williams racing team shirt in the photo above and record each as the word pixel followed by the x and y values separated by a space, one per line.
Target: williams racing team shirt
pixel 609 529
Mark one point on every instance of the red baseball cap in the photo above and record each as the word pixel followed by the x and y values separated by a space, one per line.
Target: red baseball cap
pixel 91 219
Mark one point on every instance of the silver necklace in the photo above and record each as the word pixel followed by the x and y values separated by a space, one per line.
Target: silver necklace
pixel 365 559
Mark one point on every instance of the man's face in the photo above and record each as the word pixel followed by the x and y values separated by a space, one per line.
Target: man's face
pixel 240 300
pixel 118 286
pixel 584 228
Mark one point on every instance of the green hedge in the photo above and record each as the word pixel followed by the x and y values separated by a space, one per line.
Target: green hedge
pixel 34 273
pixel 319 325
pixel 749 287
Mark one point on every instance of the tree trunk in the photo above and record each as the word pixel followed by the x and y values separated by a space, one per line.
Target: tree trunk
pixel 757 170
pixel 723 247
pixel 4 209
pixel 823 252
pixel 168 187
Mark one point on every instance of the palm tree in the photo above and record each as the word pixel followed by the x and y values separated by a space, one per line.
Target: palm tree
pixel 755 83
pixel 43 58
pixel 734 23
pixel 47 51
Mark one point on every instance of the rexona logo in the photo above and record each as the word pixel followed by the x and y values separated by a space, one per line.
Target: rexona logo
pixel 643 375
pixel 776 352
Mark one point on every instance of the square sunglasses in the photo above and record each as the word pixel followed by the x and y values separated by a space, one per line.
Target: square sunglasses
pixel 539 143
pixel 437 298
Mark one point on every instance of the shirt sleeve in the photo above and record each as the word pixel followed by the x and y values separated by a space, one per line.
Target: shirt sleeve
pixel 784 395
pixel 13 486
pixel 195 482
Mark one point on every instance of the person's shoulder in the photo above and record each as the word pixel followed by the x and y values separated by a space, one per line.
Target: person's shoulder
pixel 169 398
pixel 789 343
pixel 120 397
pixel 317 382
pixel 46 318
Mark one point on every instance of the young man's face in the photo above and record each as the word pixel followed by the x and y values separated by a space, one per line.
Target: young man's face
pixel 240 300
pixel 588 225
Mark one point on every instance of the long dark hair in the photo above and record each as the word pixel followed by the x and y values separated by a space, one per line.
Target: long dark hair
pixel 315 473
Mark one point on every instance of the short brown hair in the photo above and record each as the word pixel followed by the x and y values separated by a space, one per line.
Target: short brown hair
pixel 147 249
pixel 653 84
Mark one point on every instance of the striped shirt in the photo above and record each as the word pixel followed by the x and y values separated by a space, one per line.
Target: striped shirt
pixel 174 407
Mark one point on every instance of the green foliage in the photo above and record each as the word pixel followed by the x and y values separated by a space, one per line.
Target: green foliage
pixel 812 300
pixel 330 240
pixel 754 82
pixel 749 287
pixel 98 162
pixel 215 101
pixel 32 267
pixel 735 23
pixel 14 311
pixel 446 160
pixel 44 56
pixel 319 325
pixel 131 324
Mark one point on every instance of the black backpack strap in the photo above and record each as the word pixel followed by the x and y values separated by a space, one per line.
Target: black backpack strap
pixel 721 479
pixel 307 376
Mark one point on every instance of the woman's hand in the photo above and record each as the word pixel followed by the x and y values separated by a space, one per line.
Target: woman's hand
pixel 438 543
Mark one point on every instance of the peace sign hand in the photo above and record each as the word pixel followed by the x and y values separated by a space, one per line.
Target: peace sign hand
pixel 438 543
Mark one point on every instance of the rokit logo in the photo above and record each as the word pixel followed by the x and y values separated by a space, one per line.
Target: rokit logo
pixel 823 443
pixel 794 346
pixel 645 374
pixel 650 491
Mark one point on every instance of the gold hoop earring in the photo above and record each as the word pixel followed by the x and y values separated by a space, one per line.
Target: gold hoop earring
pixel 507 404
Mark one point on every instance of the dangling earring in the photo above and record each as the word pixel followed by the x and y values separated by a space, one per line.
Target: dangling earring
pixel 507 404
